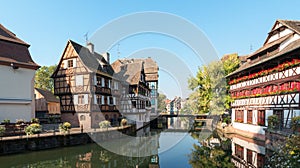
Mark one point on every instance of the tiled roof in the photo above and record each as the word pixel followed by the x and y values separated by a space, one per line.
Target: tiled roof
pixel 130 72
pixel 14 50
pixel 49 96
pixel 150 66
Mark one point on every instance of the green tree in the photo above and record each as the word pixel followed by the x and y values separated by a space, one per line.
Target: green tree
pixel 210 86
pixel 43 78
pixel 231 62
pixel 161 104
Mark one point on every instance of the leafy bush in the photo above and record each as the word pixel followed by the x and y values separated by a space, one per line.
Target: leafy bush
pixel 273 121
pixel 2 130
pixel 33 129
pixel 104 124
pixel 227 120
pixel 66 126
pixel 6 121
pixel 295 123
pixel 35 120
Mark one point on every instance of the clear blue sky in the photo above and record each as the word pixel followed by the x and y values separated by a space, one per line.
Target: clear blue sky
pixel 231 26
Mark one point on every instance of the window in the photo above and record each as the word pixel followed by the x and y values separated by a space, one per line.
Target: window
pixel 239 151
pixel 98 80
pixel 82 118
pixel 249 156
pixel 134 104
pixel 249 116
pixel 260 160
pixel 261 117
pixel 99 99
pixel 70 63
pixel 111 100
pixel 79 80
pixel 80 99
pixel 239 116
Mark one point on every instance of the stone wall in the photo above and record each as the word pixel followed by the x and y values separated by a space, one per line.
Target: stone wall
pixel 18 144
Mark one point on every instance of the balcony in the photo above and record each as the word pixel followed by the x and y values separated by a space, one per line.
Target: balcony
pixel 102 90
pixel 108 108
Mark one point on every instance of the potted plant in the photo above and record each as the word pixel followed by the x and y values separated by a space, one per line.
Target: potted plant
pixel 123 122
pixel 104 124
pixel 296 123
pixel 273 122
pixel 35 120
pixel 2 130
pixel 34 128
pixel 65 127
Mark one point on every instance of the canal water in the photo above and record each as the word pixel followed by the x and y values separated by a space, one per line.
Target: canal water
pixel 177 146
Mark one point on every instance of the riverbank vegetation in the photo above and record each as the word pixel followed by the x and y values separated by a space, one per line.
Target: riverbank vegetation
pixel 209 86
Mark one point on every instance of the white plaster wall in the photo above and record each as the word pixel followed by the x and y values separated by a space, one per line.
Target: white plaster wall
pixel 15 111
pixel 232 115
pixel 249 127
pixel 288 41
pixel 16 83
pixel 16 93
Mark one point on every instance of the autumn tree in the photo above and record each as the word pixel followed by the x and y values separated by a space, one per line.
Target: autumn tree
pixel 43 78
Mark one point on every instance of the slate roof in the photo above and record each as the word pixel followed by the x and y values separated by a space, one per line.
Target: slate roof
pixel 49 96
pixel 14 50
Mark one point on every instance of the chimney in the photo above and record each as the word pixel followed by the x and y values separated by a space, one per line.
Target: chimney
pixel 106 56
pixel 90 46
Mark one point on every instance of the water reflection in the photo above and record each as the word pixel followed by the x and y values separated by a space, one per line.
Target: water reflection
pixel 185 149
pixel 247 152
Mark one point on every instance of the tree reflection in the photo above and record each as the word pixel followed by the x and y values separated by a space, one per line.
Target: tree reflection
pixel 210 153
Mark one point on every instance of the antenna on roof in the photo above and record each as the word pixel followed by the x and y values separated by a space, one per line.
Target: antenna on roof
pixel 251 47
pixel 118 50
pixel 86 37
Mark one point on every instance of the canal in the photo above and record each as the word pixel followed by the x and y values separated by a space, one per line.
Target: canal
pixel 177 146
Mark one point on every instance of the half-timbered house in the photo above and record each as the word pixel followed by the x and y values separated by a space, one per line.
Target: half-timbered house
pixel 268 82
pixel 135 97
pixel 85 85
pixel 151 74
pixel 17 71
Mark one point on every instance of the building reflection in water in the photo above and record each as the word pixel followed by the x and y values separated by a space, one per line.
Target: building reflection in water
pixel 247 152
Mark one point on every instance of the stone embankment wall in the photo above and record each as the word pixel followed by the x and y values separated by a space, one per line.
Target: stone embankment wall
pixel 18 144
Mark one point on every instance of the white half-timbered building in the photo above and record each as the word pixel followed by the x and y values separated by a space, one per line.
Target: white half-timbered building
pixel 268 82
pixel 135 97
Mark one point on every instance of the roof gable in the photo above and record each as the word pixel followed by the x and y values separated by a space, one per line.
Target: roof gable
pixel 93 61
